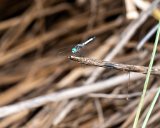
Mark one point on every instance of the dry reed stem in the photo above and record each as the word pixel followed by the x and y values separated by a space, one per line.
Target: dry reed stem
pixel 66 94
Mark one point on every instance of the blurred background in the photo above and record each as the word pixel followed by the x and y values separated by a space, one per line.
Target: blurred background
pixel 36 38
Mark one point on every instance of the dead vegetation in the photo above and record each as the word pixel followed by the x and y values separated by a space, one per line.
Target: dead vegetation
pixel 41 88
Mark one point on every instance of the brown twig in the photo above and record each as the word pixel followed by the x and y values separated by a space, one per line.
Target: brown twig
pixel 113 65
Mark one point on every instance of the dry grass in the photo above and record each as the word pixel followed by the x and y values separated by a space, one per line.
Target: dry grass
pixel 40 88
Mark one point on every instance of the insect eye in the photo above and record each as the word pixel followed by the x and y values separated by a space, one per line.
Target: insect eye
pixel 74 50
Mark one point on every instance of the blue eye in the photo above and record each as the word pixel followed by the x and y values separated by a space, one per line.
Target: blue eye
pixel 74 50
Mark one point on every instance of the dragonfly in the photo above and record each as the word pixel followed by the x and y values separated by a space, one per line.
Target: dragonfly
pixel 78 47
pixel 76 50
